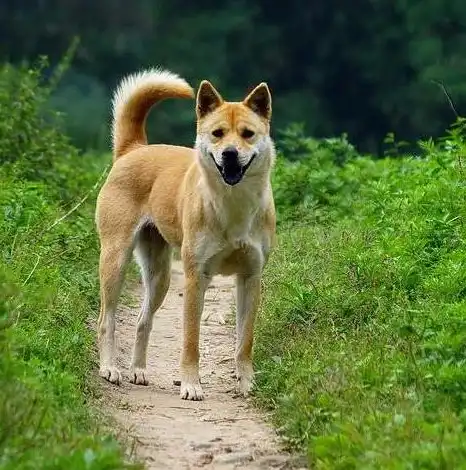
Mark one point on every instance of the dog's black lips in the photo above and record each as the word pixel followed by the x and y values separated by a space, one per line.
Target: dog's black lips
pixel 236 178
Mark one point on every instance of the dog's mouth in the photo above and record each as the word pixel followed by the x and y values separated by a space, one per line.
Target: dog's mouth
pixel 232 172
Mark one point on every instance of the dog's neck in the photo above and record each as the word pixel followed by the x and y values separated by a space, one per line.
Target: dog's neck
pixel 235 205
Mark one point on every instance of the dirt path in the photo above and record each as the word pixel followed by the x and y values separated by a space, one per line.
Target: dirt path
pixel 222 432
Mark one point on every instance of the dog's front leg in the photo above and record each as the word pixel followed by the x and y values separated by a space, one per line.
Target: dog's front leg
pixel 195 286
pixel 248 292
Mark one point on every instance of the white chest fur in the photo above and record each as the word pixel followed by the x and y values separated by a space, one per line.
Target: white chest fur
pixel 235 219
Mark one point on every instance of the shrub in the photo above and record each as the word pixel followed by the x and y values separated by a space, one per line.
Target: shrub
pixel 308 175
pixel 361 347
pixel 48 289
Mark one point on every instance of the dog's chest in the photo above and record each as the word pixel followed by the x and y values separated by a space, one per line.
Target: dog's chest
pixel 233 242
pixel 238 234
pixel 231 251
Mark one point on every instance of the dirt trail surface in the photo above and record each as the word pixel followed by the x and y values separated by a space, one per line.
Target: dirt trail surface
pixel 221 432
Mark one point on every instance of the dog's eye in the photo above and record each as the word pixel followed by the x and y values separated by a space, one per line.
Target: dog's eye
pixel 247 133
pixel 218 133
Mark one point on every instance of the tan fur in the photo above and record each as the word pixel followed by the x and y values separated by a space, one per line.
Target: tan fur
pixel 157 197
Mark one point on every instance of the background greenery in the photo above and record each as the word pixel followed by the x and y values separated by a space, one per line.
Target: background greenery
pixel 365 67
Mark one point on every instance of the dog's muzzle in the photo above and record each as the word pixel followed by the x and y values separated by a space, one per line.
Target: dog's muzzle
pixel 231 169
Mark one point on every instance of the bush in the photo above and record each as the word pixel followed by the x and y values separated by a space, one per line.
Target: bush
pixel 48 289
pixel 308 175
pixel 361 348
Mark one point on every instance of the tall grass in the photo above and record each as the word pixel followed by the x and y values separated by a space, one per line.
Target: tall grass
pixel 48 289
pixel 361 347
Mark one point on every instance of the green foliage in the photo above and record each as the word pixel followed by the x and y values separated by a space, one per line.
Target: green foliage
pixel 308 175
pixel 48 291
pixel 361 348
pixel 32 144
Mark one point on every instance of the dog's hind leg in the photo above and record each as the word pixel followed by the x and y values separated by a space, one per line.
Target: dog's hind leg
pixel 114 257
pixel 153 255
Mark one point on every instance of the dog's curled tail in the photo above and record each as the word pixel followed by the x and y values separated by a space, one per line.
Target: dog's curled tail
pixel 132 101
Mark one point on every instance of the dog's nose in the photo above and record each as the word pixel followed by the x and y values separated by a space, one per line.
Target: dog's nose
pixel 230 153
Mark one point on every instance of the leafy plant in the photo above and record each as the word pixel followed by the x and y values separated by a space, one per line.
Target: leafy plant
pixel 361 350
pixel 48 258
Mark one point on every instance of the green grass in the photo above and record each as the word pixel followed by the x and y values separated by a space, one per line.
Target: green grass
pixel 47 361
pixel 48 290
pixel 361 347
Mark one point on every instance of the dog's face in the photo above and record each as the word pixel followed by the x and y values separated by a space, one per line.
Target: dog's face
pixel 233 138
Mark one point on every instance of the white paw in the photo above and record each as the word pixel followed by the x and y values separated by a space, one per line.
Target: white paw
pixel 245 384
pixel 244 377
pixel 191 391
pixel 111 373
pixel 138 376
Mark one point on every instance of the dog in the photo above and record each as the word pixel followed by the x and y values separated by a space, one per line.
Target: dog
pixel 214 202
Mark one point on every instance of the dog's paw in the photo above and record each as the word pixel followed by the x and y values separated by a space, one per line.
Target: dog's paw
pixel 244 385
pixel 111 374
pixel 191 391
pixel 138 376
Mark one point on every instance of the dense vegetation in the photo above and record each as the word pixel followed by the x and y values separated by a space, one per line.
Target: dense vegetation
pixel 361 347
pixel 48 289
pixel 364 67
pixel 361 350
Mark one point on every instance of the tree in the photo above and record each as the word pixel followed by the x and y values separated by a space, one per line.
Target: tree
pixel 366 67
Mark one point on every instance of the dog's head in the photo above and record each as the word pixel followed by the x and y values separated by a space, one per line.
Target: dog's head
pixel 233 138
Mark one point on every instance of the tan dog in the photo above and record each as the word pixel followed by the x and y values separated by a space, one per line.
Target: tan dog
pixel 214 202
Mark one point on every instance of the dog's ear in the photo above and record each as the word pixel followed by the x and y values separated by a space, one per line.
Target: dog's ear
pixel 260 101
pixel 208 99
